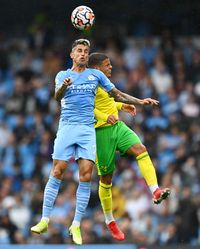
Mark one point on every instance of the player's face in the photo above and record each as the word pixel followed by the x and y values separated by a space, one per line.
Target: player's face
pixel 80 55
pixel 106 67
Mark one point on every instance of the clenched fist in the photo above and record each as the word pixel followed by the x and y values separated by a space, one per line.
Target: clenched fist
pixel 67 81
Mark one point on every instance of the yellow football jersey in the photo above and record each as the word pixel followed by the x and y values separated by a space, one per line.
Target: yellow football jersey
pixel 105 106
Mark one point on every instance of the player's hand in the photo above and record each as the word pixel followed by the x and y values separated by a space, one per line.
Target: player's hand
pixel 67 81
pixel 112 119
pixel 129 108
pixel 149 101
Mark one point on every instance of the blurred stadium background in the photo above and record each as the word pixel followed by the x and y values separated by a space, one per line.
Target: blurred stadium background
pixel 155 51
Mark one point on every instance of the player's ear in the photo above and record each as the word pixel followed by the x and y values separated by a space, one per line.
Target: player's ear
pixel 71 55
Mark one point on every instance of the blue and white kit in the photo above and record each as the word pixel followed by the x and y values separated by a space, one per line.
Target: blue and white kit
pixel 76 133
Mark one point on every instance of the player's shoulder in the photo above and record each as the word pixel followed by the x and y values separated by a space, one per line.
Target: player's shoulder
pixel 95 72
pixel 63 73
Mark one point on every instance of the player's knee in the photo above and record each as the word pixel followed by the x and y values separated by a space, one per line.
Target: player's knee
pixel 58 171
pixel 137 149
pixel 141 148
pixel 85 177
pixel 107 179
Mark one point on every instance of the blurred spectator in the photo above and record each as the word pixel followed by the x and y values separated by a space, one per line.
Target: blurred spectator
pixel 132 56
pixel 8 229
pixel 161 78
pixel 194 74
pixel 187 228
pixel 40 32
pixel 137 204
pixel 149 51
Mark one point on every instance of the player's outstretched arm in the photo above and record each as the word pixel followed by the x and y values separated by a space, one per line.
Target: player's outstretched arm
pixel 59 93
pixel 127 99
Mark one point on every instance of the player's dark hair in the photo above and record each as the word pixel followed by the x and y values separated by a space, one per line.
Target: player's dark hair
pixel 84 42
pixel 95 59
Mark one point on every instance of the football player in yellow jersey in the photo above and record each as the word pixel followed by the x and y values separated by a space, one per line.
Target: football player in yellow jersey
pixel 112 135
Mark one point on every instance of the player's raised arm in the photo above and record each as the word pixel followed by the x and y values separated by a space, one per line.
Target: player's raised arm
pixel 125 98
pixel 59 93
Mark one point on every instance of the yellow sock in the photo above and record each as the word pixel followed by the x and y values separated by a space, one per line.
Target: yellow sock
pixel 105 196
pixel 147 169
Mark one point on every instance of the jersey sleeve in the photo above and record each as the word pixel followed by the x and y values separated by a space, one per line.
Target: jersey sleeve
pixel 119 105
pixel 59 80
pixel 104 82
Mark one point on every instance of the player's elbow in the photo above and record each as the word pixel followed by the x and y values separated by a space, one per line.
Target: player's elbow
pixel 117 97
pixel 116 94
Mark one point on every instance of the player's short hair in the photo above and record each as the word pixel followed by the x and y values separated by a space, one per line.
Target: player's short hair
pixel 84 42
pixel 95 59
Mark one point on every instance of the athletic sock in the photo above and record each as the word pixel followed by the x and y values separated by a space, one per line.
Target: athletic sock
pixel 82 199
pixel 105 196
pixel 147 170
pixel 50 194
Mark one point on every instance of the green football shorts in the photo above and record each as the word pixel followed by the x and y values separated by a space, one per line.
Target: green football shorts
pixel 118 137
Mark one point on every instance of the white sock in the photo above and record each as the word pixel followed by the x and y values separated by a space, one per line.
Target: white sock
pixel 76 223
pixel 46 219
pixel 109 218
pixel 153 188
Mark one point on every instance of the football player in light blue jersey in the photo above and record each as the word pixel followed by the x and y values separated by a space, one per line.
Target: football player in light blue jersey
pixel 75 89
pixel 77 105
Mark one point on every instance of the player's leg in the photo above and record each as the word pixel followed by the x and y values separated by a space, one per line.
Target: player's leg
pixel 62 152
pixel 130 143
pixel 85 154
pixel 50 194
pixel 82 198
pixel 106 150
pixel 147 170
pixel 105 196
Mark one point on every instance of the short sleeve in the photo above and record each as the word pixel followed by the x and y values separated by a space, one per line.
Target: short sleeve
pixel 119 105
pixel 59 80
pixel 104 82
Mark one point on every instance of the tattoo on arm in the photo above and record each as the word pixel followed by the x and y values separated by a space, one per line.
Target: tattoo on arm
pixel 123 97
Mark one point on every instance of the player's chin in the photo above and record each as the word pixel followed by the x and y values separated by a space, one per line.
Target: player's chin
pixel 82 64
pixel 108 75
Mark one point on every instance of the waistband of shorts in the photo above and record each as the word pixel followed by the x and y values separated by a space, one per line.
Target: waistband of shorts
pixel 109 126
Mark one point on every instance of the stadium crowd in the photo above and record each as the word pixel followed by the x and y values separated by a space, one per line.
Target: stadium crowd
pixel 165 68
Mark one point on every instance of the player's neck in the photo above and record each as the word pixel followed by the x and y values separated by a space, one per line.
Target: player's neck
pixel 78 69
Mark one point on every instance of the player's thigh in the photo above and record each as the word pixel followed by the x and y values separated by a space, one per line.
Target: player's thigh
pixel 106 149
pixel 86 143
pixel 64 143
pixel 126 138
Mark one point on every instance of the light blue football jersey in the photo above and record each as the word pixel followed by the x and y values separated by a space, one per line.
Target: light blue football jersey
pixel 77 105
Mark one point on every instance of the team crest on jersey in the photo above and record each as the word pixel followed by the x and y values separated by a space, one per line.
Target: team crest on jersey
pixel 104 168
pixel 91 77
